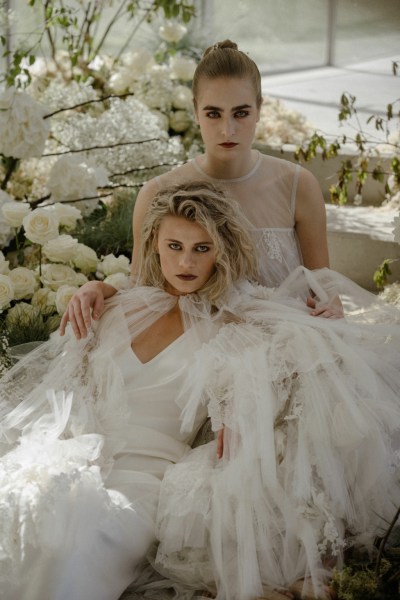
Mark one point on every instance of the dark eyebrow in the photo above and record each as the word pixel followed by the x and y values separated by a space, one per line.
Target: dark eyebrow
pixel 195 244
pixel 234 109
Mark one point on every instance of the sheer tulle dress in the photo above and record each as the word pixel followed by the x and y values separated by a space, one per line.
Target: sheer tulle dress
pixel 95 470
pixel 83 453
pixel 267 198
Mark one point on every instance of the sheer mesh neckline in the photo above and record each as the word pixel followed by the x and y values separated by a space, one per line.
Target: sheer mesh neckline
pixel 234 180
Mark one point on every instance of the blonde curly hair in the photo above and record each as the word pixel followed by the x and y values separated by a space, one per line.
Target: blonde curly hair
pixel 202 203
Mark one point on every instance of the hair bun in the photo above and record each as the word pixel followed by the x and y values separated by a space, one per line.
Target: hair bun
pixel 225 45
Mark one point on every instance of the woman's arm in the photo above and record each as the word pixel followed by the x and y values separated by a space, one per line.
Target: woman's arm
pixel 88 302
pixel 310 227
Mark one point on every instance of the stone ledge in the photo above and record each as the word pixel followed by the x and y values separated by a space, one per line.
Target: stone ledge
pixel 359 239
pixel 325 171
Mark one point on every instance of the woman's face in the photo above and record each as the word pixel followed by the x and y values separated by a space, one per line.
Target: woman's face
pixel 187 255
pixel 227 113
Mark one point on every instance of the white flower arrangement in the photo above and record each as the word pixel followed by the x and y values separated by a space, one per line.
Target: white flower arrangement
pixel 97 143
pixel 23 131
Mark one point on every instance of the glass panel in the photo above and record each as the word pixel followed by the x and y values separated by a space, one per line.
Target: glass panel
pixel 284 35
pixel 366 29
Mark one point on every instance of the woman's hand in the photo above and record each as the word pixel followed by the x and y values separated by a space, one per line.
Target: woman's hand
pixel 85 305
pixel 327 311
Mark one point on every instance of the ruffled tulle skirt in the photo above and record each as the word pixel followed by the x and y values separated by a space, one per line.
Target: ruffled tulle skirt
pixel 311 409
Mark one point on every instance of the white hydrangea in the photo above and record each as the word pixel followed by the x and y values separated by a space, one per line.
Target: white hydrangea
pixel 6 232
pixel 59 95
pixel 41 225
pixel 23 131
pixel 155 88
pixel 182 68
pixel 24 282
pixel 172 31
pixel 279 125
pixel 111 264
pixel 61 249
pixel 74 177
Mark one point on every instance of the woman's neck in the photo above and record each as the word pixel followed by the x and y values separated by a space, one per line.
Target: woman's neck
pixel 228 169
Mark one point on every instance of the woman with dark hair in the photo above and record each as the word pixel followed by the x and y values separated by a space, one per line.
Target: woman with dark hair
pixel 282 201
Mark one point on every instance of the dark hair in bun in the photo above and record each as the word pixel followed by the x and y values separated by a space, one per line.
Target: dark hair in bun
pixel 224 59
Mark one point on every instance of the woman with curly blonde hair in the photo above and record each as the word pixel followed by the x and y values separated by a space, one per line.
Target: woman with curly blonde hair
pixel 99 485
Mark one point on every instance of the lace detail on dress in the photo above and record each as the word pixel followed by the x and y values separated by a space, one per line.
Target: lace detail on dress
pixel 269 242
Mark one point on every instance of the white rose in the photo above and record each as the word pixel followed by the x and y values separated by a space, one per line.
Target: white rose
pixel 121 80
pixel 179 120
pixel 14 212
pixel 23 131
pixel 80 279
pixel 172 32
pixel 63 296
pixel 41 225
pixel 119 280
pixel 56 275
pixel 73 177
pixel 23 314
pixel 6 291
pixel 6 232
pixel 61 249
pixel 24 281
pixel 111 264
pixel 182 68
pixel 67 215
pixel 396 230
pixel 182 97
pixel 4 269
pixel 45 300
pixel 85 259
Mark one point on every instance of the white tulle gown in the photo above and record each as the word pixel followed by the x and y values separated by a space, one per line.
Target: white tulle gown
pixel 311 412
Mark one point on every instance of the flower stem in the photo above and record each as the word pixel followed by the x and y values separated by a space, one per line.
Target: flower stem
pixel 11 164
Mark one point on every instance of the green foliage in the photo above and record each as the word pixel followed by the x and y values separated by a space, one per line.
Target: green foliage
pixel 27 328
pixel 357 167
pixel 352 584
pixel 108 230
pixel 382 273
